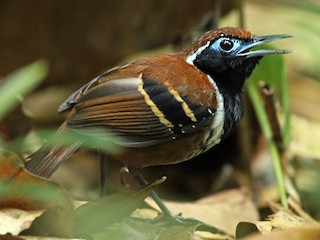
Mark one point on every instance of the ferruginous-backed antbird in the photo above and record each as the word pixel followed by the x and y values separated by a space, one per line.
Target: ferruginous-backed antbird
pixel 166 108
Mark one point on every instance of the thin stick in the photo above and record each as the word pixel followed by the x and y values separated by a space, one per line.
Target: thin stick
pixel 103 174
pixel 241 14
pixel 267 132
pixel 143 182
pixel 267 92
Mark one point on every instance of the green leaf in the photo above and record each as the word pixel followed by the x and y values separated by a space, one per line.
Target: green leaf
pixel 98 139
pixel 21 190
pixel 272 71
pixel 19 83
pixel 131 228
pixel 244 229
pixel 15 181
pixel 99 214
pixel 135 228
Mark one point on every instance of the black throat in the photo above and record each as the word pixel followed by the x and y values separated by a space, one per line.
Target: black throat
pixel 232 103
pixel 229 75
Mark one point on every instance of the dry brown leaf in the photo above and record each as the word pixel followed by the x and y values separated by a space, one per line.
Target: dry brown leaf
pixel 145 213
pixel 304 96
pixel 14 221
pixel 280 220
pixel 287 223
pixel 42 106
pixel 308 232
pixel 223 210
pixel 286 218
pixel 24 191
pixel 38 238
pixel 204 235
pixel 305 138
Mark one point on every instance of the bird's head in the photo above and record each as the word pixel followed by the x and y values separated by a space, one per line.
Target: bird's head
pixel 227 54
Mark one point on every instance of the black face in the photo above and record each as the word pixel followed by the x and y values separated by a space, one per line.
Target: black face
pixel 222 54
pixel 220 61
pixel 229 61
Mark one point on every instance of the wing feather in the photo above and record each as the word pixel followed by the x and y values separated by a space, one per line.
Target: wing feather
pixel 144 108
pixel 124 113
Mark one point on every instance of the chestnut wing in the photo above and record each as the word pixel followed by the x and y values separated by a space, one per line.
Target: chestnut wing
pixel 142 112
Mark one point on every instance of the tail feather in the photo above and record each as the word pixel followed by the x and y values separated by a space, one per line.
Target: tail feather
pixel 45 161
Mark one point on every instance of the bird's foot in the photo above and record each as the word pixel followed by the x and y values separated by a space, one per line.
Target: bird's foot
pixel 172 219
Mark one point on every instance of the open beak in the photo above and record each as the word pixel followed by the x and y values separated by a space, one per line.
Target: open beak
pixel 244 51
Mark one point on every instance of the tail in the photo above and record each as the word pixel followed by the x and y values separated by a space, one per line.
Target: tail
pixel 44 162
pixel 47 159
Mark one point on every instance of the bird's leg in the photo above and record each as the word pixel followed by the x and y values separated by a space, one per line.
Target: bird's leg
pixel 135 173
pixel 103 173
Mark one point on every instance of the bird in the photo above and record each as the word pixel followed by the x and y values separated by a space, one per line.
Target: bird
pixel 167 108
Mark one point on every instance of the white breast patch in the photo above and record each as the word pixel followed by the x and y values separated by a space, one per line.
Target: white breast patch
pixel 214 137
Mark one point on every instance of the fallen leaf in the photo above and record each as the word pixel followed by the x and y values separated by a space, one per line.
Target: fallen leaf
pixel 281 220
pixel 109 209
pixel 131 228
pixel 245 228
pixel 14 221
pixel 286 218
pixel 21 190
pixel 205 235
pixel 223 210
pixel 10 237
pixel 42 106
pixel 286 223
pixel 145 213
pixel 305 138
pixel 306 232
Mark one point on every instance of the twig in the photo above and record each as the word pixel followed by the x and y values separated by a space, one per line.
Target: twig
pixel 267 93
pixel 265 125
pixel 241 14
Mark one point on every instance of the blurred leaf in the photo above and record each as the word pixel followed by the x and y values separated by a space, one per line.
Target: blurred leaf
pixel 306 179
pixel 14 221
pixel 244 229
pixel 272 70
pixel 297 233
pixel 283 220
pixel 98 139
pixel 131 228
pixel 300 20
pixel 41 106
pixel 224 210
pixel 305 139
pixel 287 223
pixel 20 83
pixel 110 209
pixel 208 232
pixel 21 190
pixel 93 138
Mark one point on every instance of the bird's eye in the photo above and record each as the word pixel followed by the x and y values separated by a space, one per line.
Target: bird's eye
pixel 226 44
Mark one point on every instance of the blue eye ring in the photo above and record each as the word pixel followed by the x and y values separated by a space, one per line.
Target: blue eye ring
pixel 226 45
